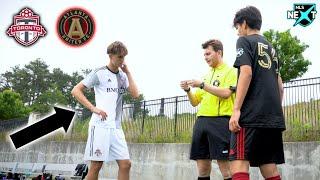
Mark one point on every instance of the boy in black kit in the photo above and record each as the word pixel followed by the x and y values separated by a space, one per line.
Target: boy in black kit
pixel 257 121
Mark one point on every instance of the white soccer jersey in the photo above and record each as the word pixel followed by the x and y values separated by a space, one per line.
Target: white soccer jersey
pixel 109 88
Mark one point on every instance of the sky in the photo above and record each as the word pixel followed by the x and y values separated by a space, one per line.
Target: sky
pixel 163 37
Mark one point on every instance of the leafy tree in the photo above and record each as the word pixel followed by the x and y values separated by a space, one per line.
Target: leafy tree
pixel 5 80
pixel 29 81
pixel 289 50
pixel 39 78
pixel 17 80
pixel 65 83
pixel 46 100
pixel 35 83
pixel 11 105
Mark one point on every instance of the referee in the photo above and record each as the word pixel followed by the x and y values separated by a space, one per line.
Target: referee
pixel 215 96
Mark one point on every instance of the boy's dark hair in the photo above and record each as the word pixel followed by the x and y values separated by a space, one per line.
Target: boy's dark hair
pixel 251 15
pixel 215 44
pixel 117 48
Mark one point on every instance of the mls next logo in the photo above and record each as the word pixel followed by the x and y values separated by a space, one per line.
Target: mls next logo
pixel 304 14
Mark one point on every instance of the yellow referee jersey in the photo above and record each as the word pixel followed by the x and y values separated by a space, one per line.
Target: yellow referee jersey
pixel 222 76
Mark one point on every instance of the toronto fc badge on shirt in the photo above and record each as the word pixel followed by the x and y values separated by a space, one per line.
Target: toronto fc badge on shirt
pixel 26 27
pixel 75 27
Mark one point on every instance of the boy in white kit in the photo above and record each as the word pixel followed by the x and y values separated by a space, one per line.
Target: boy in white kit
pixel 106 140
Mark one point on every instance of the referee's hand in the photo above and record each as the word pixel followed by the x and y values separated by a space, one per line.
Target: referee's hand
pixel 234 121
pixel 184 85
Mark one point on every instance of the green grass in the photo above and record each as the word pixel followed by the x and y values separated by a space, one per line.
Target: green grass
pixel 3 136
pixel 159 129
pixel 302 121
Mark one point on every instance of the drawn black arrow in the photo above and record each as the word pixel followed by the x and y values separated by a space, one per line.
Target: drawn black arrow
pixel 62 118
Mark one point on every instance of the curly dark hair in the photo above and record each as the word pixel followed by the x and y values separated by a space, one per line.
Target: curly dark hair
pixel 251 15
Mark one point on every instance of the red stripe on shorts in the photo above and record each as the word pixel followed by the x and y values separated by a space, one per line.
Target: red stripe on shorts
pixel 240 144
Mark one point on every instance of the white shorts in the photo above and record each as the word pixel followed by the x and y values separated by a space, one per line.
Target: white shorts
pixel 105 144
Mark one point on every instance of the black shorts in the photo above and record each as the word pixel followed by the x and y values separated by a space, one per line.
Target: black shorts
pixel 257 145
pixel 211 138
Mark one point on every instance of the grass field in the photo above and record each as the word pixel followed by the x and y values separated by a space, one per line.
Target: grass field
pixel 302 121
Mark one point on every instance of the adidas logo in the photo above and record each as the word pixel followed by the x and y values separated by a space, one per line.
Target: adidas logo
pixel 109 80
pixel 231 152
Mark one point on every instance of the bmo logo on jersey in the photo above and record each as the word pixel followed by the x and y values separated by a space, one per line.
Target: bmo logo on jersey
pixel 303 13
pixel 116 90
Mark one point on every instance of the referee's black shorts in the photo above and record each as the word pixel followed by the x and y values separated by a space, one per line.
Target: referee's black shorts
pixel 258 146
pixel 210 138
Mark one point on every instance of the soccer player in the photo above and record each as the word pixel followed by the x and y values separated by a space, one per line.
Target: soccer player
pixel 214 93
pixel 257 120
pixel 106 140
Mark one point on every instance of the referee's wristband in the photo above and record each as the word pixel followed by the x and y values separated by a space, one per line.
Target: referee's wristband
pixel 187 90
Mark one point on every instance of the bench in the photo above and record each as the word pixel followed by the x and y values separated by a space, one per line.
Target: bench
pixel 30 170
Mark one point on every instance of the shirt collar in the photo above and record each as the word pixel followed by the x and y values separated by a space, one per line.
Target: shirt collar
pixel 219 67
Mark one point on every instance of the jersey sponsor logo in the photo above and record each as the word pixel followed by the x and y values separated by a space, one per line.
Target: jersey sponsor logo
pixel 116 90
pixel 75 27
pixel 26 27
pixel 303 13
pixel 239 52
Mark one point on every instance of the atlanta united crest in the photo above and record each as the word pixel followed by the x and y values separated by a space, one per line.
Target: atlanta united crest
pixel 75 27
pixel 26 27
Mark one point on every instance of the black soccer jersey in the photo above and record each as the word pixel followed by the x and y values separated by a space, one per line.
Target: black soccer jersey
pixel 262 104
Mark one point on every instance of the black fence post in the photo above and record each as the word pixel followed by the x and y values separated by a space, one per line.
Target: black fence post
pixel 176 117
pixel 161 113
pixel 143 115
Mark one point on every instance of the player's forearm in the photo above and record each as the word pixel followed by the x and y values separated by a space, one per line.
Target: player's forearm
pixel 133 89
pixel 280 84
pixel 217 91
pixel 242 88
pixel 193 101
pixel 78 94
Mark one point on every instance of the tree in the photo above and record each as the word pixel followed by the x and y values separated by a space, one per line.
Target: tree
pixel 11 105
pixel 47 100
pixel 39 78
pixel 65 83
pixel 17 80
pixel 5 80
pixel 29 82
pixel 289 50
pixel 36 84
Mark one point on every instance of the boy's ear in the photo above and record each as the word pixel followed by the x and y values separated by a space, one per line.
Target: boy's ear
pixel 245 24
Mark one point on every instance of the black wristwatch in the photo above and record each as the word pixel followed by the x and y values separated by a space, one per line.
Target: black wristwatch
pixel 187 90
pixel 233 88
pixel 201 85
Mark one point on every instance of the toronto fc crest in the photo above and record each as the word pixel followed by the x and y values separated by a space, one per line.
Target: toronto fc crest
pixel 26 27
